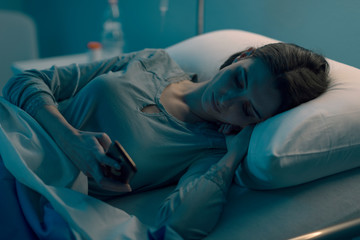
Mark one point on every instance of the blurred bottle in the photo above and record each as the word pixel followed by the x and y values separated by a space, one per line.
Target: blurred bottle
pixel 94 51
pixel 112 36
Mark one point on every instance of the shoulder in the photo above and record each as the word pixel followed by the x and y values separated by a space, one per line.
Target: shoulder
pixel 150 53
pixel 159 61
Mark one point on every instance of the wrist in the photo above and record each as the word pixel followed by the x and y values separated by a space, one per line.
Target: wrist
pixel 55 124
pixel 230 161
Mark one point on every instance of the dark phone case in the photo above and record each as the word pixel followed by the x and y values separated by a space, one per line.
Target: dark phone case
pixel 128 167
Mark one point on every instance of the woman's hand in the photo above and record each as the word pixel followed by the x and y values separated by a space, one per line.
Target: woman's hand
pixel 238 144
pixel 85 149
pixel 228 129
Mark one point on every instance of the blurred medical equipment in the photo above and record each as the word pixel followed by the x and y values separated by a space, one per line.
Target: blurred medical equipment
pixel 112 36
pixel 18 41
pixel 200 17
pixel 164 6
pixel 95 52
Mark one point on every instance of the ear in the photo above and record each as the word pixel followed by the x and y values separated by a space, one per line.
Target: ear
pixel 248 52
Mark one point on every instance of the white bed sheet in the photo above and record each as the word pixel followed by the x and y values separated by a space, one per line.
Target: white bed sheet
pixel 270 215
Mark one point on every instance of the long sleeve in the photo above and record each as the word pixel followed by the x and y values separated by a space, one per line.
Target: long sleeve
pixel 34 88
pixel 195 206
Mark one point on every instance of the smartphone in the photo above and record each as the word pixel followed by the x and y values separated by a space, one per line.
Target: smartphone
pixel 128 167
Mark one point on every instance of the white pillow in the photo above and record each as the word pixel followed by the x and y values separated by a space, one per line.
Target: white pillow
pixel 205 53
pixel 314 140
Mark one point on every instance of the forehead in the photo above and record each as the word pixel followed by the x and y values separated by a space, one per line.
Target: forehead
pixel 262 90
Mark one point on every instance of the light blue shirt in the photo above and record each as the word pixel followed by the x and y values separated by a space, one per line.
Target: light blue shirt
pixel 108 96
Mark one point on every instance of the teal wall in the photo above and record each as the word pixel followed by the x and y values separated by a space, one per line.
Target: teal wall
pixel 328 26
pixel 15 5
pixel 65 26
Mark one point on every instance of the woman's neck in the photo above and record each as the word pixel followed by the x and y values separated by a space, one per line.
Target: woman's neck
pixel 183 101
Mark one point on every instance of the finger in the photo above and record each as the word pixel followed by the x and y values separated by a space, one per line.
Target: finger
pixel 248 130
pixel 224 128
pixel 220 129
pixel 245 135
pixel 235 129
pixel 104 140
pixel 104 159
pixel 96 173
pixel 228 129
pixel 114 186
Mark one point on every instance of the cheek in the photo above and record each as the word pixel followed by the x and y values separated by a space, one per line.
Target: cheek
pixel 222 81
pixel 235 116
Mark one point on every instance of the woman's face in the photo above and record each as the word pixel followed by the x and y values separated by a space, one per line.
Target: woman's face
pixel 241 94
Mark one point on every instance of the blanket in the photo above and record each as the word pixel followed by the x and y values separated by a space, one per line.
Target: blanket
pixel 51 190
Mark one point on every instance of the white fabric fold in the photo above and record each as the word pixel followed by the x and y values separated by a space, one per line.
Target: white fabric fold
pixel 36 161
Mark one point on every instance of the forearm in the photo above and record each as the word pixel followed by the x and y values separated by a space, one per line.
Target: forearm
pixel 194 209
pixel 55 124
pixel 33 89
pixel 85 149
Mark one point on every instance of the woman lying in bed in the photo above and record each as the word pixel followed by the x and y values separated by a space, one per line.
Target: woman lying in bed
pixel 171 125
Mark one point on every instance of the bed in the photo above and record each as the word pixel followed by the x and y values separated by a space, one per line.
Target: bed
pixel 301 174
